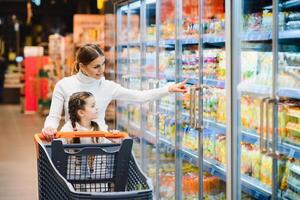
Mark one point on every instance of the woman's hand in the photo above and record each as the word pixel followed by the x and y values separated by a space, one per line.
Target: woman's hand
pixel 114 131
pixel 178 87
pixel 49 132
pixel 115 140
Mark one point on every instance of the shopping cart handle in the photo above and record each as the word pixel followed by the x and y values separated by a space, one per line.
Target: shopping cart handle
pixel 39 136
pixel 80 134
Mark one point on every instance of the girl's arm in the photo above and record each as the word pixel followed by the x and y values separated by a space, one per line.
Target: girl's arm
pixel 138 96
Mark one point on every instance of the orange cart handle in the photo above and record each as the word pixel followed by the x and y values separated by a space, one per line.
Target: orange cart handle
pixel 39 136
pixel 80 134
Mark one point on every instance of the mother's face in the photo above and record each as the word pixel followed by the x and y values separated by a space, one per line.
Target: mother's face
pixel 94 69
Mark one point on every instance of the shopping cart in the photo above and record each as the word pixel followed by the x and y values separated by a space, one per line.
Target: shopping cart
pixel 89 171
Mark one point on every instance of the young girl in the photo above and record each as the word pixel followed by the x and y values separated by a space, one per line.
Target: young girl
pixel 82 110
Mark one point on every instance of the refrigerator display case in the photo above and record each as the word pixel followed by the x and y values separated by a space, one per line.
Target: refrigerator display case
pixel 269 95
pixel 192 144
pixel 129 70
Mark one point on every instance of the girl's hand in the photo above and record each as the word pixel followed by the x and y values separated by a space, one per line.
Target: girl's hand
pixel 49 132
pixel 178 87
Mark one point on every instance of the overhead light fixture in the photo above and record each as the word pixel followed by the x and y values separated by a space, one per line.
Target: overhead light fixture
pixel 36 2
pixel 124 8
pixel 100 4
pixel 150 1
pixel 29 13
pixel 135 5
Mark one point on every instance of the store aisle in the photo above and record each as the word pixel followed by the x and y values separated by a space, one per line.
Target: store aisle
pixel 18 176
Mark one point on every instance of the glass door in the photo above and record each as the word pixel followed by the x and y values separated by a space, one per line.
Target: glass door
pixel 213 98
pixel 149 81
pixel 199 56
pixel 129 70
pixel 122 63
pixel 134 82
pixel 188 35
pixel 287 109
pixel 202 50
pixel 255 85
pixel 166 75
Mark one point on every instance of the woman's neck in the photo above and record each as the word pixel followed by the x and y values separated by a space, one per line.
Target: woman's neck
pixel 86 124
pixel 85 79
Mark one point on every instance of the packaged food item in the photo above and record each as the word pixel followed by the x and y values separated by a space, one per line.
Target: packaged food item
pixel 221 149
pixel 212 185
pixel 245 162
pixel 282 120
pixel 209 145
pixel 190 184
pixel 255 157
pixel 293 25
pixel 282 166
pixel 266 170
pixel 167 185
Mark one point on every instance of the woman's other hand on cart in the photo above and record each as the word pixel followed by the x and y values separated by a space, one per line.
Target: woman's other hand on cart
pixel 115 132
pixel 49 132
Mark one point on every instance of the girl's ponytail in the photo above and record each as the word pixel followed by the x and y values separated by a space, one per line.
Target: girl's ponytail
pixel 75 68
pixel 96 128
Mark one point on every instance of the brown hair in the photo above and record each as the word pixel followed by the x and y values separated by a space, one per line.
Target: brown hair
pixel 86 54
pixel 77 102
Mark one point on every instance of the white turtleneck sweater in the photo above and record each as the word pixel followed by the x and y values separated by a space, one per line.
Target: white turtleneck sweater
pixel 103 90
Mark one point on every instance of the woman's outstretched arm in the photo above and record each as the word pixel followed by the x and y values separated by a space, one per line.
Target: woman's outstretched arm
pixel 138 96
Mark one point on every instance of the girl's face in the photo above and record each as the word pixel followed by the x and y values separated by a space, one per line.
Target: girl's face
pixel 94 69
pixel 90 111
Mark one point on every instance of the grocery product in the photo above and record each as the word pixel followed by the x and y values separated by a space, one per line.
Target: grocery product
pixel 246 163
pixel 266 170
pixel 255 158
pixel 221 149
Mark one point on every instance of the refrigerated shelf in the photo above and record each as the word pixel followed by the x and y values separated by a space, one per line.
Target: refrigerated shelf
pixel 248 136
pixel 206 81
pixel 291 34
pixel 256 36
pixel 207 38
pixel 287 4
pixel 251 137
pixel 289 92
pixel 261 90
pixel 249 185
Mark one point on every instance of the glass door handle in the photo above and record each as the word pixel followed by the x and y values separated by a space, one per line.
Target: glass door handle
pixel 192 101
pixel 272 152
pixel 267 126
pixel 198 90
pixel 125 81
pixel 261 128
pixel 152 83
pixel 195 89
pixel 128 81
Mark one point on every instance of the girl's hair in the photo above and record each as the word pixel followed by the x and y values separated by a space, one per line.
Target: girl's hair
pixel 77 102
pixel 86 54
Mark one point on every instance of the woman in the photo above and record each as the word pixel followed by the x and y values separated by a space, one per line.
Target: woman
pixel 89 68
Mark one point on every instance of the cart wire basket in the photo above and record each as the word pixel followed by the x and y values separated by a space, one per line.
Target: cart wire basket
pixel 89 171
